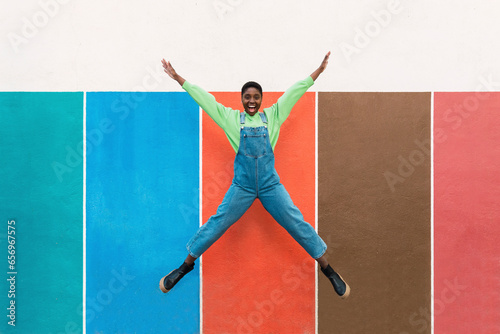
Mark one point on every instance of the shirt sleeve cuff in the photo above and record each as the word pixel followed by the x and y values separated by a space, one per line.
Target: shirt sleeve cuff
pixel 309 80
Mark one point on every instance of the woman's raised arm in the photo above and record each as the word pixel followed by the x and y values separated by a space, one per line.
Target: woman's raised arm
pixel 321 67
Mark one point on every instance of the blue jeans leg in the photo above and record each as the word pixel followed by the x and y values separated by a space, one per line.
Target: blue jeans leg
pixel 278 203
pixel 236 202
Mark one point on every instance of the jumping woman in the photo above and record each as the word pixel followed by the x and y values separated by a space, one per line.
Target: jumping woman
pixel 253 136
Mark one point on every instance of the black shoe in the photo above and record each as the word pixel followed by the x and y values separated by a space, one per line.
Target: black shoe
pixel 168 282
pixel 340 286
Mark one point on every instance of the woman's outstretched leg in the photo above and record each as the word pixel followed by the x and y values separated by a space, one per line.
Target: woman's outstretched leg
pixel 236 202
pixel 189 259
pixel 278 203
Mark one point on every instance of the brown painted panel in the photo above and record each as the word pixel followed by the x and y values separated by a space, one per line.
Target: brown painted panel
pixel 374 210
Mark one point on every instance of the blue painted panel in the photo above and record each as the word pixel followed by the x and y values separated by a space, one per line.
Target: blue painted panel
pixel 142 208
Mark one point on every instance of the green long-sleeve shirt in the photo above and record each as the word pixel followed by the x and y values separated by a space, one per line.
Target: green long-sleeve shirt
pixel 229 119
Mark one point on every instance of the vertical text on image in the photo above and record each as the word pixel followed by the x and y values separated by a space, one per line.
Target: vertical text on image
pixel 11 273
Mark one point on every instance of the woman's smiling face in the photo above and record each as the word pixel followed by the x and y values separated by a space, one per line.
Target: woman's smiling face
pixel 251 100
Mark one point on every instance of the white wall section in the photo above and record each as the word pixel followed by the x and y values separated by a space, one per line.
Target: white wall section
pixel 378 45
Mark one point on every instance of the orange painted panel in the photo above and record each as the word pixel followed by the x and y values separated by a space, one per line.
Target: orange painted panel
pixel 256 277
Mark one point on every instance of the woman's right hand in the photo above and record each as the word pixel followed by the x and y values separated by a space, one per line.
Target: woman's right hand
pixel 167 67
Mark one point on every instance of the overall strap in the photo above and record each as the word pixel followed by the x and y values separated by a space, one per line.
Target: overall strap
pixel 242 118
pixel 263 117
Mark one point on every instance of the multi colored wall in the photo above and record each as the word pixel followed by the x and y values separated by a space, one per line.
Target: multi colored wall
pixel 108 167
pixel 417 247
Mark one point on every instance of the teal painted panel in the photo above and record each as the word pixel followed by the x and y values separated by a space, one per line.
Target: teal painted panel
pixel 41 188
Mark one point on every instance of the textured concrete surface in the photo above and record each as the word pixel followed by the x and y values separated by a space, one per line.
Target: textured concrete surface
pixel 378 235
pixel 142 206
pixel 41 188
pixel 467 211
pixel 256 277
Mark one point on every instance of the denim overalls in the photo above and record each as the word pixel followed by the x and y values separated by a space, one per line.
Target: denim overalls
pixel 256 177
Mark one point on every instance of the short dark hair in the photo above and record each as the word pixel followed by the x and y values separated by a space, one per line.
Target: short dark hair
pixel 251 84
